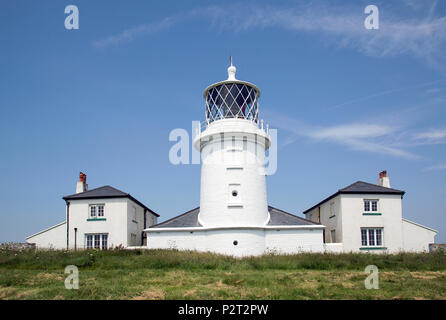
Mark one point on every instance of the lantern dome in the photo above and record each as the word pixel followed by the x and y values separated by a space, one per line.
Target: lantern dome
pixel 232 98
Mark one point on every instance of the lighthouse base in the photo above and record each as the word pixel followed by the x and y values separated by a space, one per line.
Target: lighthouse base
pixel 284 234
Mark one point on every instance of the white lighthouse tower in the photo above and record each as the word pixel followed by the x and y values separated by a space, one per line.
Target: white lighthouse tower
pixel 233 145
pixel 234 217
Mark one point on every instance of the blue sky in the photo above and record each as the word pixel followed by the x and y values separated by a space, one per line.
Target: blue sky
pixel 347 102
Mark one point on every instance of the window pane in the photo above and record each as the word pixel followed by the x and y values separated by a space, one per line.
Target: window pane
pixel 378 237
pixel 93 211
pixel 104 241
pixel 374 205
pixel 364 237
pixel 100 211
pixel 371 237
pixel 89 241
pixel 366 205
pixel 97 241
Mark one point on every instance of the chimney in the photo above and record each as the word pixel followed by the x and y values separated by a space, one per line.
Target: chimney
pixel 82 185
pixel 384 180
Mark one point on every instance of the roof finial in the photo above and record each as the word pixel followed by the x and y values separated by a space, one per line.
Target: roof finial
pixel 231 70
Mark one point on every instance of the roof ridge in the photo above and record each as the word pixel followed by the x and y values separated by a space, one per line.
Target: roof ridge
pixel 176 217
pixel 350 185
pixel 370 184
pixel 290 214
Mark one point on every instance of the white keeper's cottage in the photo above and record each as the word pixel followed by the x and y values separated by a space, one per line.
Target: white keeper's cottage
pixel 100 218
pixel 369 217
pixel 234 217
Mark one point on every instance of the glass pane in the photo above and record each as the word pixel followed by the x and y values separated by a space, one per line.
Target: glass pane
pixel 93 211
pixel 89 241
pixel 97 241
pixel 375 205
pixel 371 237
pixel 366 205
pixel 232 100
pixel 364 237
pixel 378 237
pixel 104 241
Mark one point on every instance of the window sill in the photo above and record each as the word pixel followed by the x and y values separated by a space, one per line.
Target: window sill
pixel 332 216
pixel 134 221
pixel 372 214
pixel 372 248
pixel 96 219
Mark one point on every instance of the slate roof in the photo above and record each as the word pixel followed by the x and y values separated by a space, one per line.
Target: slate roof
pixel 105 192
pixel 360 187
pixel 190 219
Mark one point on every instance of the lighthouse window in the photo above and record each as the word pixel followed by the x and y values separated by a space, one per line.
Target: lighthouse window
pixel 235 242
pixel 234 193
pixel 232 101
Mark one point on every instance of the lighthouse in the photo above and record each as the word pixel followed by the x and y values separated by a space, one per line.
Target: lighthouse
pixel 234 217
pixel 233 145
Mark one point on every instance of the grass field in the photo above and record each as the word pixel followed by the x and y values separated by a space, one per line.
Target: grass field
pixel 167 274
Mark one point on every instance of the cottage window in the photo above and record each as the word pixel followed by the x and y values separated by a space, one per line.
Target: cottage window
pixel 96 211
pixel 371 237
pixel 364 237
pixel 92 212
pixel 96 241
pixel 100 210
pixel 370 205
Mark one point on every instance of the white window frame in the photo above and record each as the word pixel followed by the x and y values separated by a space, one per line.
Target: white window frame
pixel 96 207
pixel 96 241
pixel 370 205
pixel 372 237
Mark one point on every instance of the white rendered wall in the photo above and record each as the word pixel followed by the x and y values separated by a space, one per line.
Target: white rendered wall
pixel 230 164
pixel 136 225
pixel 51 238
pixel 115 223
pixel 390 219
pixel 119 223
pixel 331 221
pixel 250 242
pixel 291 241
pixel 417 238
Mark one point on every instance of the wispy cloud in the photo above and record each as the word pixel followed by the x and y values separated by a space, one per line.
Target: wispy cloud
pixel 423 35
pixel 141 30
pixel 387 92
pixel 433 136
pixel 355 136
pixel 436 167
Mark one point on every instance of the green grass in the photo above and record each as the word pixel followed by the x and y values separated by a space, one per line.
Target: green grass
pixel 170 274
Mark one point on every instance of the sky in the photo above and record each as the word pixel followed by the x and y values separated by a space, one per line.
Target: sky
pixel 348 102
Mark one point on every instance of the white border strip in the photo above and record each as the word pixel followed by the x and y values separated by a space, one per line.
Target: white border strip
pixel 420 225
pixel 148 230
pixel 48 229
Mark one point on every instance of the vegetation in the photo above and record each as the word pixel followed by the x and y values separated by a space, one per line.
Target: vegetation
pixel 171 274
